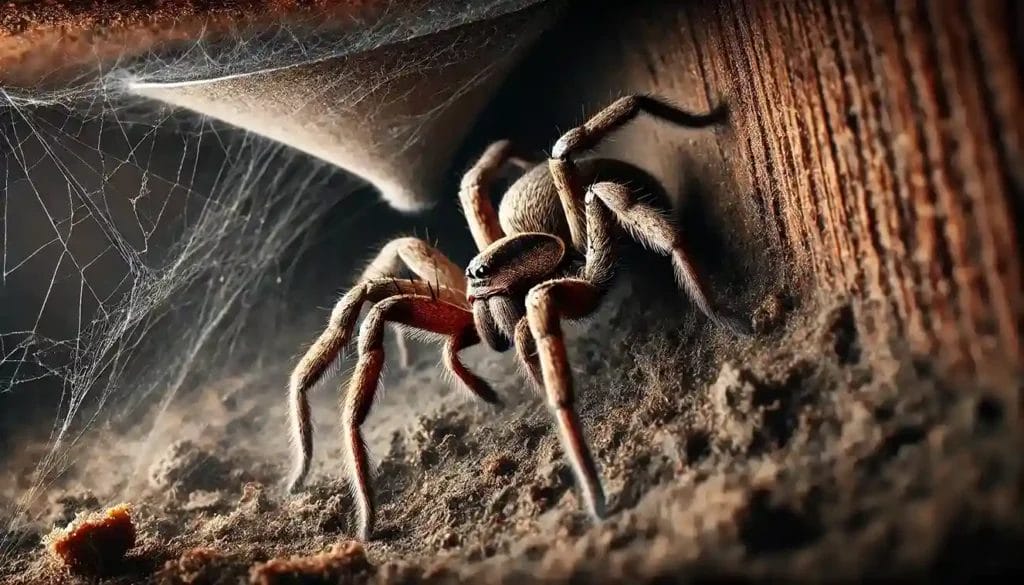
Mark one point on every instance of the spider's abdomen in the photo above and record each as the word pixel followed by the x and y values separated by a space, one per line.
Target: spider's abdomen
pixel 531 205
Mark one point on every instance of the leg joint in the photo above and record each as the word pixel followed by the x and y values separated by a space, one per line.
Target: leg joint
pixel 539 297
pixel 574 140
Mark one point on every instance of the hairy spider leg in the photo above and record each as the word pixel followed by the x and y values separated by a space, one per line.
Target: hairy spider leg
pixel 653 229
pixel 546 305
pixel 426 262
pixel 582 138
pixel 474 193
pixel 324 351
pixel 425 313
pixel 608 205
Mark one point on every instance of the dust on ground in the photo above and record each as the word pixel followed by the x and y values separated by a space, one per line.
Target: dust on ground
pixel 804 454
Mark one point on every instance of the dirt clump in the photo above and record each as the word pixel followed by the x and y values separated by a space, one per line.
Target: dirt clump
pixel 342 563
pixel 190 471
pixel 94 544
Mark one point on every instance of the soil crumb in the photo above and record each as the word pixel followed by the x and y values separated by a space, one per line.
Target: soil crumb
pixel 94 543
pixel 340 564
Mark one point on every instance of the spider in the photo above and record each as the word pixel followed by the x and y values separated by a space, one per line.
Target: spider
pixel 547 254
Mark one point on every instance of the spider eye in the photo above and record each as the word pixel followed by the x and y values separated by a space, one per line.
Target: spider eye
pixel 477 271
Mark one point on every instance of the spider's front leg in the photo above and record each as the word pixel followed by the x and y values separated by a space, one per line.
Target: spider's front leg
pixel 475 195
pixel 540 346
pixel 546 305
pixel 421 312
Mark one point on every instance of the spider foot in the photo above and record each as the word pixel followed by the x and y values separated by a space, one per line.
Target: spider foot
pixel 366 519
pixel 294 485
pixel 583 465
pixel 738 325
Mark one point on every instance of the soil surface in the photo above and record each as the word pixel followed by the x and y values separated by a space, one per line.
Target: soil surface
pixel 799 454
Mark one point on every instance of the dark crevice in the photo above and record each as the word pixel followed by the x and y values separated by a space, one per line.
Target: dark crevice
pixel 989 413
pixel 771 528
pixel 698 446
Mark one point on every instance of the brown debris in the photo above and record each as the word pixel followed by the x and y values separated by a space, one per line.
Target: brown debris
pixel 197 565
pixel 96 543
pixel 186 467
pixel 770 315
pixel 499 465
pixel 342 563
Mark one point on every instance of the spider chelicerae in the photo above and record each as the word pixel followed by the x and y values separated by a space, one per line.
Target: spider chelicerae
pixel 547 254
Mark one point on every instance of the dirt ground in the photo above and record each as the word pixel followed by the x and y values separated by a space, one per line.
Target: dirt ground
pixel 800 454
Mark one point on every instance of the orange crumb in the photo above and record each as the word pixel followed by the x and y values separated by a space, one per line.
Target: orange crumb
pixel 94 543
pixel 344 559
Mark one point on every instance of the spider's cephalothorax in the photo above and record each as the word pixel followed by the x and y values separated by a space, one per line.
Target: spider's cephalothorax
pixel 547 254
pixel 501 275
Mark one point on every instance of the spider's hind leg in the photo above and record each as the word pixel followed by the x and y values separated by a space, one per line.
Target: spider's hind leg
pixel 325 350
pixel 654 229
pixel 426 262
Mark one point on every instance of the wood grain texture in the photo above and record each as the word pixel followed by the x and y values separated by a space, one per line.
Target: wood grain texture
pixel 874 149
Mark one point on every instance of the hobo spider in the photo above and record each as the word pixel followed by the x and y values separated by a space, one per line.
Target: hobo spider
pixel 547 254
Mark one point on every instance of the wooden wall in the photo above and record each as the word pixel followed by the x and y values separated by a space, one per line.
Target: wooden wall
pixel 874 149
